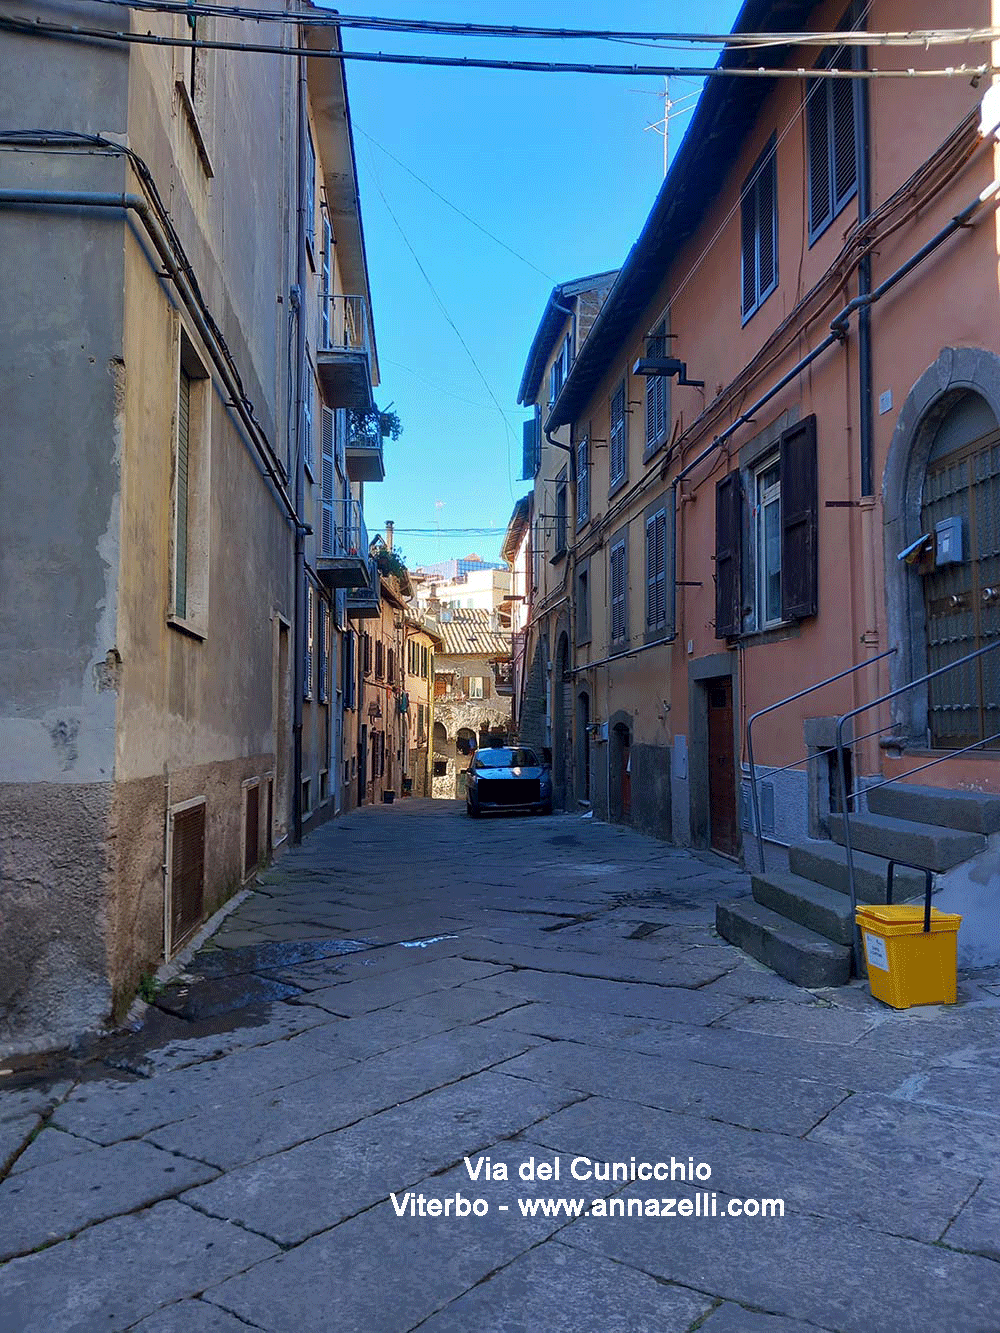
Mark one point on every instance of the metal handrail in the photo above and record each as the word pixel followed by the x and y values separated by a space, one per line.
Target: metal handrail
pixel 810 689
pixel 841 770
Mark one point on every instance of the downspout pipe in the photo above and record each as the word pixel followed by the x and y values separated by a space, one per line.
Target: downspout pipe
pixel 137 204
pixel 300 462
pixel 865 410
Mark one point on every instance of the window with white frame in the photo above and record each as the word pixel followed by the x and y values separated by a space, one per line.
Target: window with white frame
pixel 583 482
pixel 618 560
pixel 759 231
pixel 326 278
pixel 656 570
pixel 830 136
pixel 767 542
pixel 476 687
pixel 618 437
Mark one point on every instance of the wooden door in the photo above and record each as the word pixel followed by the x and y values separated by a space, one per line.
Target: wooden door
pixel 723 827
pixel 626 781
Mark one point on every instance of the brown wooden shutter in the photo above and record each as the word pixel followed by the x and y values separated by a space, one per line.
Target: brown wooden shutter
pixel 187 874
pixel 251 845
pixel 799 517
pixel 728 549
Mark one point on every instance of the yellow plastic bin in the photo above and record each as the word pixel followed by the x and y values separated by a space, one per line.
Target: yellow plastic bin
pixel 906 964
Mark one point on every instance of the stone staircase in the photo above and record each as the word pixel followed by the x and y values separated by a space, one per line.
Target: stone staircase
pixel 799 921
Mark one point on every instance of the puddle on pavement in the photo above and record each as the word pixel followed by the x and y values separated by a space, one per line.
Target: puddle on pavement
pixel 422 944
pixel 271 955
pixel 221 995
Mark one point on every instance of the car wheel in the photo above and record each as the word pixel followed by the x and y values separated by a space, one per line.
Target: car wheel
pixel 471 810
pixel 545 809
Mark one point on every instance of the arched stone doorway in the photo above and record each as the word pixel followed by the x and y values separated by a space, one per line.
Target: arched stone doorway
pixel 944 464
pixel 465 747
pixel 583 745
pixel 620 792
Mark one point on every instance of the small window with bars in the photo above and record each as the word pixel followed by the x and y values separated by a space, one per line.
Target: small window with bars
pixel 618 441
pixel 759 231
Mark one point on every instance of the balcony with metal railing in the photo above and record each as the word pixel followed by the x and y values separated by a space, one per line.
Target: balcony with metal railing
pixel 344 353
pixel 365 601
pixel 363 455
pixel 343 560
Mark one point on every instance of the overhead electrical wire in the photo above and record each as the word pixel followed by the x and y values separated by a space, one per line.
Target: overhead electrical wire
pixel 913 37
pixel 34 27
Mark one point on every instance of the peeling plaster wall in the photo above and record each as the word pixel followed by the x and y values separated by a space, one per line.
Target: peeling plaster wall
pixel 454 712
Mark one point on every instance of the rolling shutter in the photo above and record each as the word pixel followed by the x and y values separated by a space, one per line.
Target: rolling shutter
pixel 799 519
pixel 187 873
pixel 728 539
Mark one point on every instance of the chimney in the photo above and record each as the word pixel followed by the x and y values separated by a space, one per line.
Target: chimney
pixel 389 525
pixel 433 605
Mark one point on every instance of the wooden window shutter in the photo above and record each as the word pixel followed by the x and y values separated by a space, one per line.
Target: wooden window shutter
pixel 528 449
pixel 183 485
pixel 799 521
pixel 818 137
pixel 656 389
pixel 656 571
pixel 843 94
pixel 748 235
pixel 187 873
pixel 329 448
pixel 767 222
pixel 728 550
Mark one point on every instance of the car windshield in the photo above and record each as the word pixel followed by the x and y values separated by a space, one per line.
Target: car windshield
pixel 506 759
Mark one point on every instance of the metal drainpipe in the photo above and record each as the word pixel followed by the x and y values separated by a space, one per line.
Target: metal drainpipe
pixel 300 463
pixel 859 61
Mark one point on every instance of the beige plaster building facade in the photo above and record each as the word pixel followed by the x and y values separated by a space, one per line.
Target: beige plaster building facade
pixel 187 264
pixel 472 693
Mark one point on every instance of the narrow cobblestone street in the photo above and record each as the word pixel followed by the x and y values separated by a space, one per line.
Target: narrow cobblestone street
pixel 411 988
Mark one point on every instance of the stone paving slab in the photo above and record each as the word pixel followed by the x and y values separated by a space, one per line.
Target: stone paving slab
pixel 561 1022
pixel 756 1101
pixel 850 1184
pixel 977 1227
pixel 808 1022
pixel 16 1103
pixel 914 1136
pixel 114 1273
pixel 613 997
pixel 564 1291
pixel 463 1004
pixel 55 1200
pixel 729 1318
pixel 376 1272
pixel 844 1066
pixel 255 1031
pixel 372 962
pixel 350 998
pixel 312 1187
pixel 681 971
pixel 13 1136
pixel 254 1127
pixel 371 1034
pixel 825 1272
pixel 113 1110
pixel 193 1317
pixel 49 1145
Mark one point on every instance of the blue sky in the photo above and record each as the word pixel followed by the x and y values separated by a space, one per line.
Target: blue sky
pixel 558 166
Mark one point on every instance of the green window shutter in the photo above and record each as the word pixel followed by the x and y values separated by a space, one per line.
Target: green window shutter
pixel 183 490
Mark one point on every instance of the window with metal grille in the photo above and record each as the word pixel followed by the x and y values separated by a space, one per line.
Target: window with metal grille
pixel 618 455
pixel 187 872
pixel 619 587
pixel 181 502
pixel 759 231
pixel 656 570
pixel 830 135
pixel 657 391
pixel 583 482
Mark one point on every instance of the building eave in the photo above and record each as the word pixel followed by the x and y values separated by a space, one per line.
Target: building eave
pixel 546 335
